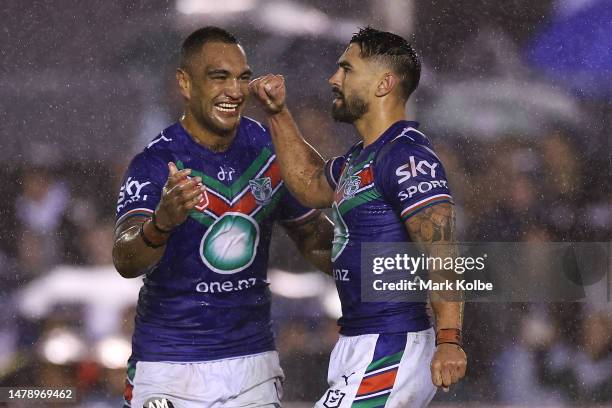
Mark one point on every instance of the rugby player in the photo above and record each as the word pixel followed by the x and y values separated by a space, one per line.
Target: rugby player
pixel 195 216
pixel 389 187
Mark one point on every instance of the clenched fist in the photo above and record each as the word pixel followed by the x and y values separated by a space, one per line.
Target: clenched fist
pixel 448 365
pixel 270 91
pixel 180 194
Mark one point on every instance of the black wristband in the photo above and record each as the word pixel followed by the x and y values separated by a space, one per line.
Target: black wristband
pixel 146 240
pixel 154 222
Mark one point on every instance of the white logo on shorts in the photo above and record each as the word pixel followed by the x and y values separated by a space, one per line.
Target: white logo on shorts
pixel 333 399
pixel 157 402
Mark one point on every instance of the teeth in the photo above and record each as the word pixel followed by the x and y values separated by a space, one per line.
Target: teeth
pixel 226 107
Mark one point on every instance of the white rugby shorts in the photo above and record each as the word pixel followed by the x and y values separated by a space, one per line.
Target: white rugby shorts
pixel 381 370
pixel 248 381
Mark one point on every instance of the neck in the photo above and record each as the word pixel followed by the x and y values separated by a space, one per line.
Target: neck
pixel 206 137
pixel 378 119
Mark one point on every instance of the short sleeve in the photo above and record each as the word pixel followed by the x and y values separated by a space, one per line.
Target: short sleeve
pixel 411 177
pixel 291 212
pixel 141 187
pixel 333 169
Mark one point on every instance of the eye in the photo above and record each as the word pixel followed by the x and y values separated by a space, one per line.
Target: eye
pixel 245 77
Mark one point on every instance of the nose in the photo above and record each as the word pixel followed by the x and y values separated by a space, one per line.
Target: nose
pixel 335 79
pixel 234 89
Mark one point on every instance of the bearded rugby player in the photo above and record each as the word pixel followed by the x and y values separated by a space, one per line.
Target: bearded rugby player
pixel 389 187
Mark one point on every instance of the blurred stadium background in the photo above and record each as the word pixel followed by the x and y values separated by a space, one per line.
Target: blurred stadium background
pixel 515 96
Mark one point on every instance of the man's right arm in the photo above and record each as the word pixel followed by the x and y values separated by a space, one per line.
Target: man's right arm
pixel 140 241
pixel 131 256
pixel 302 167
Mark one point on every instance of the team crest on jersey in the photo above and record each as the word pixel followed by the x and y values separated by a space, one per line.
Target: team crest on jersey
pixel 351 186
pixel 261 188
pixel 333 399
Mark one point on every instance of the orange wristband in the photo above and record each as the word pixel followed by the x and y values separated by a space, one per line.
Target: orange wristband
pixel 449 336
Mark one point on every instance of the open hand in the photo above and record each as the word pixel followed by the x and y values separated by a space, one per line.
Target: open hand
pixel 180 194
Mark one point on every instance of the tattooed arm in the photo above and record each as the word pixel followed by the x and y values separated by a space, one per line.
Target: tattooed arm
pixel 433 231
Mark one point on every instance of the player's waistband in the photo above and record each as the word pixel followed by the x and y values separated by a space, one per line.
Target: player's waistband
pixel 195 355
pixel 395 324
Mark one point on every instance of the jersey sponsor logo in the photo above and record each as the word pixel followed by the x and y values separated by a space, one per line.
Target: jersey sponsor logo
pixel 159 139
pixel 261 188
pixel 230 243
pixel 413 169
pixel 130 192
pixel 333 399
pixel 157 402
pixel 226 174
pixel 341 275
pixel 351 185
pixel 423 187
pixel 405 132
pixel 346 378
pixel 225 287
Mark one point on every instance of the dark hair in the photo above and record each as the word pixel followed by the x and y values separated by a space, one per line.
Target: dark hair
pixel 393 50
pixel 193 44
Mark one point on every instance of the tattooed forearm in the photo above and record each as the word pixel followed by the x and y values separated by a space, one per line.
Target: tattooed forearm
pixel 433 225
pixel 433 231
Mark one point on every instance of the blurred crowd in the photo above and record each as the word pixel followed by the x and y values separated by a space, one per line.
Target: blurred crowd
pixel 66 316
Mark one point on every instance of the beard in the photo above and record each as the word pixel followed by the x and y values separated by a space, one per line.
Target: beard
pixel 350 109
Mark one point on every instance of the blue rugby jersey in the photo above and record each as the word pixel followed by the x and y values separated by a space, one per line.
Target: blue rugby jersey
pixel 208 297
pixel 374 195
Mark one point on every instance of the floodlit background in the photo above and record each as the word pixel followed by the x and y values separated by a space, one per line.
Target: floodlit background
pixel 515 96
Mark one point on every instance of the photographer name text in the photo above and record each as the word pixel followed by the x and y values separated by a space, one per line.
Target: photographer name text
pixel 421 284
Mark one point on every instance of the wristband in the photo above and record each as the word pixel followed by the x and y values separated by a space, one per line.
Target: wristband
pixel 449 336
pixel 154 222
pixel 146 240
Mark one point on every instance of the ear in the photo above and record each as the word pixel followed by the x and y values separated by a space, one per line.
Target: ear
pixel 387 84
pixel 184 83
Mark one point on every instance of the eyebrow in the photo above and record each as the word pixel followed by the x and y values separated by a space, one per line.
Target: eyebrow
pixel 344 64
pixel 226 72
pixel 217 71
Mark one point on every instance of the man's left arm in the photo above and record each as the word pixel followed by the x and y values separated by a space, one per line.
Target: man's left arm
pixel 433 230
pixel 313 239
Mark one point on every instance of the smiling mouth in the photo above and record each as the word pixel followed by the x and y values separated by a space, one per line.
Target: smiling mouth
pixel 227 107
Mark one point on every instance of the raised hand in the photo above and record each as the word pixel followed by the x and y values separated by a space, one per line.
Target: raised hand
pixel 180 194
pixel 270 91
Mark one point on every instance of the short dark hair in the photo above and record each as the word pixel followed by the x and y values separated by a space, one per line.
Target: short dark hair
pixel 393 50
pixel 194 42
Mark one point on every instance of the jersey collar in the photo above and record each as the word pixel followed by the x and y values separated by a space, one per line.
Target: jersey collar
pixel 392 132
